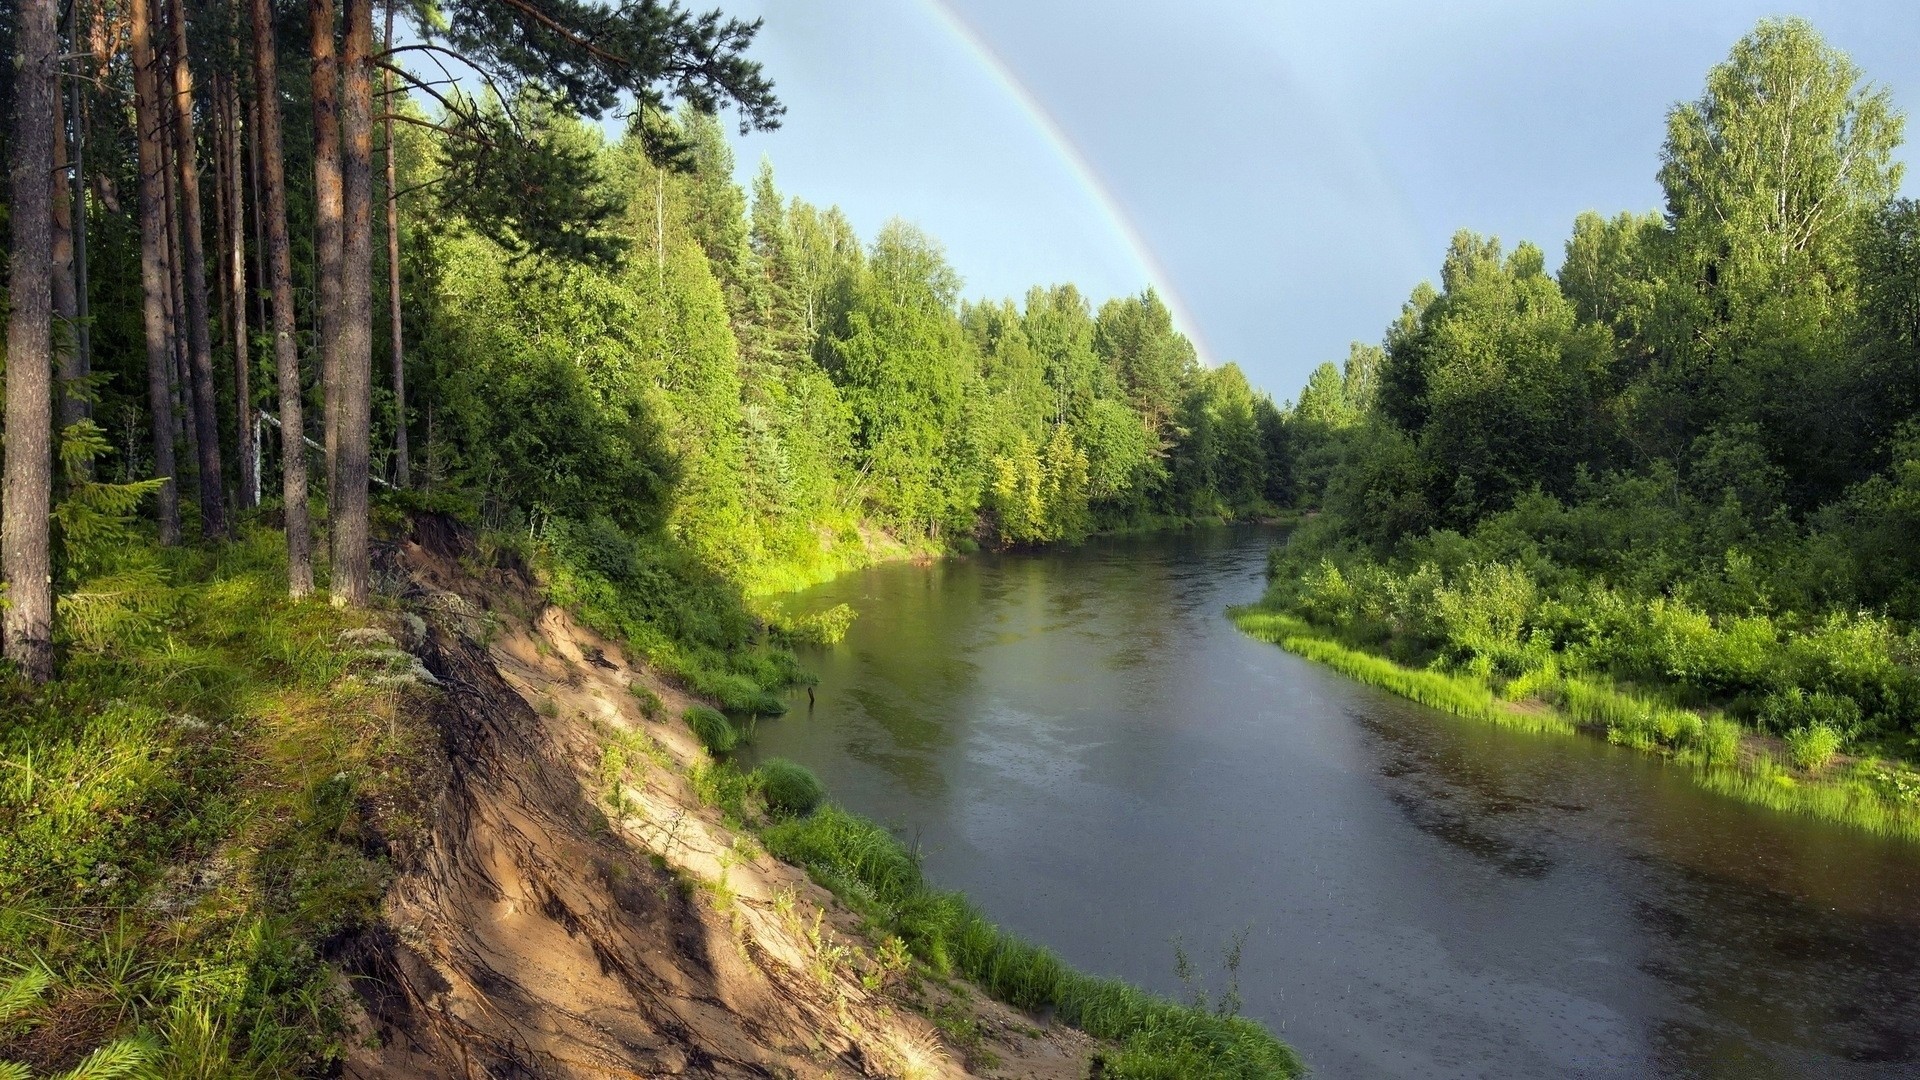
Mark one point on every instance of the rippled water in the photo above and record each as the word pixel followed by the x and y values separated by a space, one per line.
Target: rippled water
pixel 1086 747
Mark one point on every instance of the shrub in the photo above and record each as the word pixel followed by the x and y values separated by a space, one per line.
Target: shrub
pixel 1813 747
pixel 712 728
pixel 1795 708
pixel 790 788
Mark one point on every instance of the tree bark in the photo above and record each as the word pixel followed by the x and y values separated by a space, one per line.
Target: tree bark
pixel 206 422
pixel 79 408
pixel 327 213
pixel 25 525
pixel 66 302
pixel 237 303
pixel 286 357
pixel 181 387
pixel 256 218
pixel 402 468
pixel 355 328
pixel 153 269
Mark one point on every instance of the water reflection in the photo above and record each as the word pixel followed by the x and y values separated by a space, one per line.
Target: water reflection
pixel 1084 745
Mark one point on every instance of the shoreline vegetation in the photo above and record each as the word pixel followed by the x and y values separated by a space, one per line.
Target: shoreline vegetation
pixel 1870 794
pixel 1667 491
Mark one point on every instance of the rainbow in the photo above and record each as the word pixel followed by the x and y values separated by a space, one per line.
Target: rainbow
pixel 1078 164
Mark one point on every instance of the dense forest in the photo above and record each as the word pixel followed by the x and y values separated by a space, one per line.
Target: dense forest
pixel 1672 487
pixel 287 278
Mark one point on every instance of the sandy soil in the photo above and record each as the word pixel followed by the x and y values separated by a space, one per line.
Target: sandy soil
pixel 556 920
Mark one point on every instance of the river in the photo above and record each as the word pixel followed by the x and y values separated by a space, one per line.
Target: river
pixel 1082 743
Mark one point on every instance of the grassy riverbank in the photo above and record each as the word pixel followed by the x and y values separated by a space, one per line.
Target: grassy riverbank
pixel 877 876
pixel 185 822
pixel 870 870
pixel 1875 795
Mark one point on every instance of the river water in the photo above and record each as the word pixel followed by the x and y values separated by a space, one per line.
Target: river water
pixel 1082 743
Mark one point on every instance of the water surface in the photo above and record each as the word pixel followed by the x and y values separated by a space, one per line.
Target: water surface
pixel 1082 743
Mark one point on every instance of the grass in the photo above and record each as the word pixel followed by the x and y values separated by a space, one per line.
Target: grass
pixel 1457 694
pixel 712 728
pixel 184 821
pixel 871 871
pixel 790 788
pixel 1872 796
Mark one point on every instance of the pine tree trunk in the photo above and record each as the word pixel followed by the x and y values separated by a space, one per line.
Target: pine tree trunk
pixel 66 302
pixel 206 422
pixel 153 268
pixel 237 302
pixel 25 525
pixel 355 370
pixel 327 222
pixel 180 387
pixel 286 357
pixel 402 468
pixel 79 408
pixel 257 215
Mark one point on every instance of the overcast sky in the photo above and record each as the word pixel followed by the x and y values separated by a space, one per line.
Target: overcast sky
pixel 1292 168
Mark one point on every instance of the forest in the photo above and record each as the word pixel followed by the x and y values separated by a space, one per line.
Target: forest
pixel 304 274
pixel 1668 490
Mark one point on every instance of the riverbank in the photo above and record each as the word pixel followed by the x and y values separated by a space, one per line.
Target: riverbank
pixel 1873 795
pixel 662 755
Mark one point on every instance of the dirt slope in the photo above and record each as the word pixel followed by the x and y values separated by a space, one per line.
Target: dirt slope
pixel 561 914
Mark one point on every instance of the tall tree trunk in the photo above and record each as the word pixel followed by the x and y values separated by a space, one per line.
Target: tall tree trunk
pixel 153 268
pixel 402 468
pixel 66 302
pixel 257 216
pixel 355 328
pixel 206 422
pixel 327 213
pixel 286 357
pixel 25 525
pixel 79 408
pixel 182 389
pixel 237 302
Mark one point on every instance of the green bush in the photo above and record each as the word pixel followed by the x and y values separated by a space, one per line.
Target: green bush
pixel 1813 747
pixel 790 788
pixel 1794 708
pixel 712 728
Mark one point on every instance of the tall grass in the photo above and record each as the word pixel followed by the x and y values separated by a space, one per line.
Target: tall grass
pixel 1872 797
pixel 868 868
pixel 1457 694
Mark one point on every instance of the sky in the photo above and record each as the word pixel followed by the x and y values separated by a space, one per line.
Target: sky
pixel 1282 172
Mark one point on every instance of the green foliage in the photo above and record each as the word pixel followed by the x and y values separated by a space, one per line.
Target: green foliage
pixel 791 789
pixel 182 823
pixel 1813 747
pixel 712 728
pixel 868 868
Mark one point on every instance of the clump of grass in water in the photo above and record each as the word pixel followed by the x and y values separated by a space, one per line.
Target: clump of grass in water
pixel 873 872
